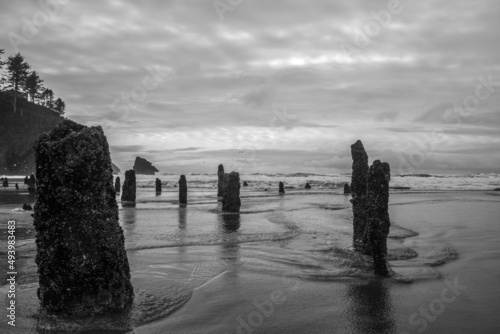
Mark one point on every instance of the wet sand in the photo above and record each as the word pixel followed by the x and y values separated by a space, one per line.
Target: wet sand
pixel 285 265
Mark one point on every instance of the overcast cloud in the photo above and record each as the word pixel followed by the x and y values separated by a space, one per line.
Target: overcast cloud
pixel 269 88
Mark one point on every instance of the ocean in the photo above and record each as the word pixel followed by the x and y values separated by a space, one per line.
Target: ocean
pixel 285 264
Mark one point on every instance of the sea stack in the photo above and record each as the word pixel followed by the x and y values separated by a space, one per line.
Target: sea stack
pixel 5 183
pixel 32 185
pixel 144 167
pixel 220 182
pixel 308 186
pixel 117 185
pixel 183 190
pixel 358 188
pixel 282 188
pixel 129 187
pixel 82 263
pixel 347 189
pixel 231 192
pixel 158 186
pixel 377 206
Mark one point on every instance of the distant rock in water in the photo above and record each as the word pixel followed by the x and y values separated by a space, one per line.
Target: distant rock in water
pixel 116 170
pixel 117 185
pixel 144 167
pixel 129 187
pixel 182 190
pixel 377 209
pixel 358 189
pixel 347 189
pixel 281 188
pixel 17 186
pixel 231 193
pixel 32 185
pixel 158 185
pixel 308 186
pixel 220 181
pixel 245 184
pixel 26 180
pixel 5 183
pixel 82 263
pixel 497 189
pixel 27 207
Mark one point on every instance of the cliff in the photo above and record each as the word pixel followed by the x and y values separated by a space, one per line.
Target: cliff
pixel 142 166
pixel 19 131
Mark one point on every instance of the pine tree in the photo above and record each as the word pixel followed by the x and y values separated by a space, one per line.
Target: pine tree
pixel 17 71
pixel 60 106
pixel 34 86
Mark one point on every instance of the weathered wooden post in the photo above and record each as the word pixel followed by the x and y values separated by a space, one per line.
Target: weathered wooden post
pixel 117 185
pixel 182 190
pixel 231 192
pixel 220 181
pixel 281 188
pixel 82 263
pixel 358 188
pixel 158 185
pixel 129 187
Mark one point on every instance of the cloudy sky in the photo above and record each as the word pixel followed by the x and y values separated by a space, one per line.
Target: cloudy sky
pixel 273 86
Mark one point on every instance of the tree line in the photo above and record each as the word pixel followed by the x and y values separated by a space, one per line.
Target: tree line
pixel 23 82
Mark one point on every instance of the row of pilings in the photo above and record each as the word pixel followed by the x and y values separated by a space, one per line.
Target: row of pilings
pixel 83 267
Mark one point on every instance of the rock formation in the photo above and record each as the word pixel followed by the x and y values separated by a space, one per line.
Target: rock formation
pixel 347 189
pixel 82 263
pixel 231 192
pixel 116 170
pixel 158 186
pixel 117 185
pixel 378 223
pixel 245 184
pixel 282 188
pixel 32 185
pixel 220 182
pixel 358 188
pixel 129 187
pixel 308 186
pixel 144 167
pixel 182 190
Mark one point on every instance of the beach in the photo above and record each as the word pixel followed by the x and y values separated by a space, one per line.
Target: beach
pixel 285 264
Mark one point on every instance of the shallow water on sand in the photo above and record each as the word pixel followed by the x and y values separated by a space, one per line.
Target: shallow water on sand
pixel 285 265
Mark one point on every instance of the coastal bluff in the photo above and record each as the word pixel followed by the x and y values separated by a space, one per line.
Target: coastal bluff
pixel 144 167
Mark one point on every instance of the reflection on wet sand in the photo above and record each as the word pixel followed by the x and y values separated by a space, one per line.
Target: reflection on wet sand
pixel 370 307
pixel 229 225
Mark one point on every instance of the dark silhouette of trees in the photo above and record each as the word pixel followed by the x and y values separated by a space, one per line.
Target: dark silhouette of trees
pixel 18 79
pixel 34 86
pixel 17 71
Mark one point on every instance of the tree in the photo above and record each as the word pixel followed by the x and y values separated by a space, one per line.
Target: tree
pixel 50 99
pixel 34 86
pixel 17 71
pixel 60 106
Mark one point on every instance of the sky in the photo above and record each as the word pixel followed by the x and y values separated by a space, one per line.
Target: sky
pixel 273 86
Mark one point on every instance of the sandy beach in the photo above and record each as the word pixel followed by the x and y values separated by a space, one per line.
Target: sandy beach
pixel 285 264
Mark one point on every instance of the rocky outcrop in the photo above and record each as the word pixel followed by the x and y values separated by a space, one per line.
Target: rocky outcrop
pixel 220 181
pixel 116 170
pixel 182 190
pixel 358 188
pixel 129 187
pixel 144 167
pixel 82 263
pixel 347 189
pixel 308 186
pixel 158 185
pixel 377 206
pixel 117 185
pixel 231 192
pixel 32 185
pixel 281 188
